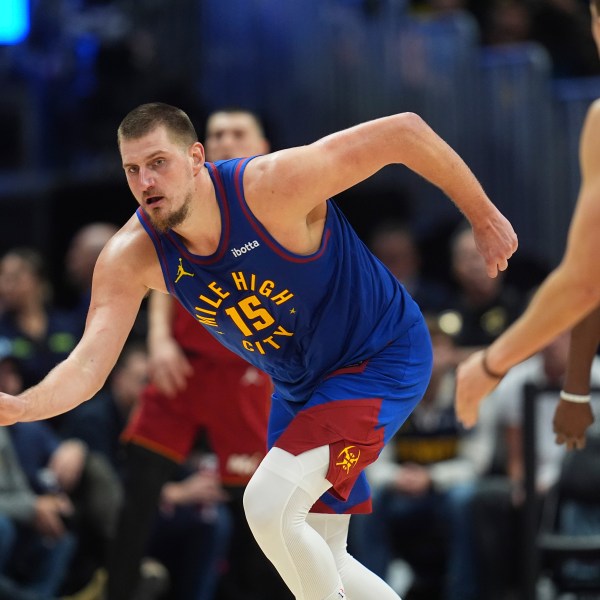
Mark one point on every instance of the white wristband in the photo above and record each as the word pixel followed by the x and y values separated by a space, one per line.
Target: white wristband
pixel 579 398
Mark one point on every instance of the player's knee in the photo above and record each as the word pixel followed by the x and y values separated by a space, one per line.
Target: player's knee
pixel 262 513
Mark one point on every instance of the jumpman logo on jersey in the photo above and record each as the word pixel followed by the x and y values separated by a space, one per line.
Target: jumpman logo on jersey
pixel 181 271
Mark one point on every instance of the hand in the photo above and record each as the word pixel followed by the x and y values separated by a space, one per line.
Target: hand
pixel 571 420
pixel 12 409
pixel 169 367
pixel 496 242
pixel 49 510
pixel 202 487
pixel 413 480
pixel 67 463
pixel 473 384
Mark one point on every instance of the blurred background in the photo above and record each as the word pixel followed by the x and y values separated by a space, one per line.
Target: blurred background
pixel 505 82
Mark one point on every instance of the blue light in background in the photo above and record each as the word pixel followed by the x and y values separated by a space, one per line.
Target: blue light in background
pixel 14 21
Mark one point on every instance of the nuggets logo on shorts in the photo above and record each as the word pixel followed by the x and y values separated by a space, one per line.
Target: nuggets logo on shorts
pixel 348 458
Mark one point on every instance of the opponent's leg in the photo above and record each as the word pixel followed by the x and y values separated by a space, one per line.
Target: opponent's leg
pixel 359 582
pixel 147 472
pixel 277 501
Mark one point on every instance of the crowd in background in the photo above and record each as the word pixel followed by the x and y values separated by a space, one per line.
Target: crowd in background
pixel 90 61
pixel 447 501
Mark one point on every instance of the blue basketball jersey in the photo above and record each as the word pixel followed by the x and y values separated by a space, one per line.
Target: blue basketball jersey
pixel 296 317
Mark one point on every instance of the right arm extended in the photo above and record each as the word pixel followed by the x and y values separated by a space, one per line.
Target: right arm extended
pixel 117 292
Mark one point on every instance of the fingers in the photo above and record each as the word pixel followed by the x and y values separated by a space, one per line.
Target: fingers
pixel 467 416
pixel 571 442
pixel 494 266
pixel 492 269
pixel 171 381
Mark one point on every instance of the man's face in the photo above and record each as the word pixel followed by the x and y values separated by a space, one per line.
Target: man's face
pixel 398 253
pixel 233 135
pixel 18 282
pixel 469 267
pixel 160 173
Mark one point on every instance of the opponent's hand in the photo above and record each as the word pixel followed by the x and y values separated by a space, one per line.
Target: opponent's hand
pixel 169 367
pixel 496 241
pixel 473 384
pixel 12 409
pixel 571 420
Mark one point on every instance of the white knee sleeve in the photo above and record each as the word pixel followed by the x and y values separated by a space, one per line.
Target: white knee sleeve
pixel 277 501
pixel 359 583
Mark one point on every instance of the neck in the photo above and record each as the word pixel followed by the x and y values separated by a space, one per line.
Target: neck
pixel 201 231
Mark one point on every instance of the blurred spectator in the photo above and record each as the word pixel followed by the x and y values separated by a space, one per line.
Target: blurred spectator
pixel 83 485
pixel 482 307
pixel 498 502
pixel 80 260
pixel 563 27
pixel 191 531
pixel 35 545
pixel 100 421
pixel 507 22
pixel 30 328
pixel 394 244
pixel 423 483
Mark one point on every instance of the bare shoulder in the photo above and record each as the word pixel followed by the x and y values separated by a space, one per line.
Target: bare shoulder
pixel 591 126
pixel 594 109
pixel 130 256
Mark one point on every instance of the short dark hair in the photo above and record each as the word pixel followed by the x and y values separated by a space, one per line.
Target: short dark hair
pixel 233 110
pixel 147 117
pixel 596 3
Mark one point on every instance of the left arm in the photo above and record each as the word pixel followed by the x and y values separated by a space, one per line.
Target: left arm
pixel 283 188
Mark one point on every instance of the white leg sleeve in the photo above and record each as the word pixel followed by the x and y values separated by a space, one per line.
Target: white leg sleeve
pixel 359 583
pixel 277 501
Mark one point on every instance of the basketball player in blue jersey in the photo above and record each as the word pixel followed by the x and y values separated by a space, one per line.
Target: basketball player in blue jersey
pixel 266 262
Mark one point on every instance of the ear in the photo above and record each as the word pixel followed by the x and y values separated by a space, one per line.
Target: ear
pixel 198 156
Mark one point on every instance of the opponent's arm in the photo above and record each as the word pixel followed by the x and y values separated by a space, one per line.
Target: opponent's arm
pixel 573 413
pixel 117 292
pixel 570 292
pixel 287 185
pixel 169 366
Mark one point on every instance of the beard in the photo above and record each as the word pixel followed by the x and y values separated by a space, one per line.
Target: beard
pixel 173 219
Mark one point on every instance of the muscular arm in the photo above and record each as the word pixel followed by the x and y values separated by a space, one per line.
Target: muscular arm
pixel 573 289
pixel 569 293
pixel 283 188
pixel 117 292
